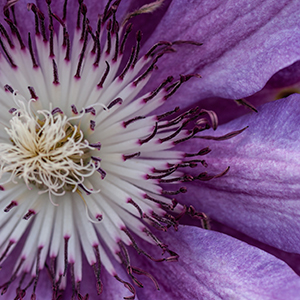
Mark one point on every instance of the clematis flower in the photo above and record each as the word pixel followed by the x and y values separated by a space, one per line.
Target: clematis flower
pixel 94 152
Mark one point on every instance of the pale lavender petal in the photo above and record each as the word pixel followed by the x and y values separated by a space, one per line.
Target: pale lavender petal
pixel 215 266
pixel 260 195
pixel 292 259
pixel 244 44
pixel 282 84
pixel 286 77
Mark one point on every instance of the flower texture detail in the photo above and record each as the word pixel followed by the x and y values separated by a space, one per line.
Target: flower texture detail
pixel 82 156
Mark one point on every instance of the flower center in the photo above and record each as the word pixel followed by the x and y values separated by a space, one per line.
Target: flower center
pixel 47 150
pixel 55 151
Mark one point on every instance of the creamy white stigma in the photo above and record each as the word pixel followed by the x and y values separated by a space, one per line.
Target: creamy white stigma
pixel 46 150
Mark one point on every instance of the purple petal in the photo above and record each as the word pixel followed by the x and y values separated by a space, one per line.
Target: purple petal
pixel 282 84
pixel 292 259
pixel 244 44
pixel 215 266
pixel 286 77
pixel 260 194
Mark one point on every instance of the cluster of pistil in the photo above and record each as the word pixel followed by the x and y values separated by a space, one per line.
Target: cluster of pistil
pixel 46 150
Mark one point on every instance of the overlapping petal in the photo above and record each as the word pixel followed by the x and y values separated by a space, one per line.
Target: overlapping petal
pixel 282 84
pixel 215 266
pixel 260 195
pixel 244 44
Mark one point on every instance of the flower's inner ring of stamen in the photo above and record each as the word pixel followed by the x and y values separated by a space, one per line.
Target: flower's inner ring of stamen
pixel 57 150
pixel 47 150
